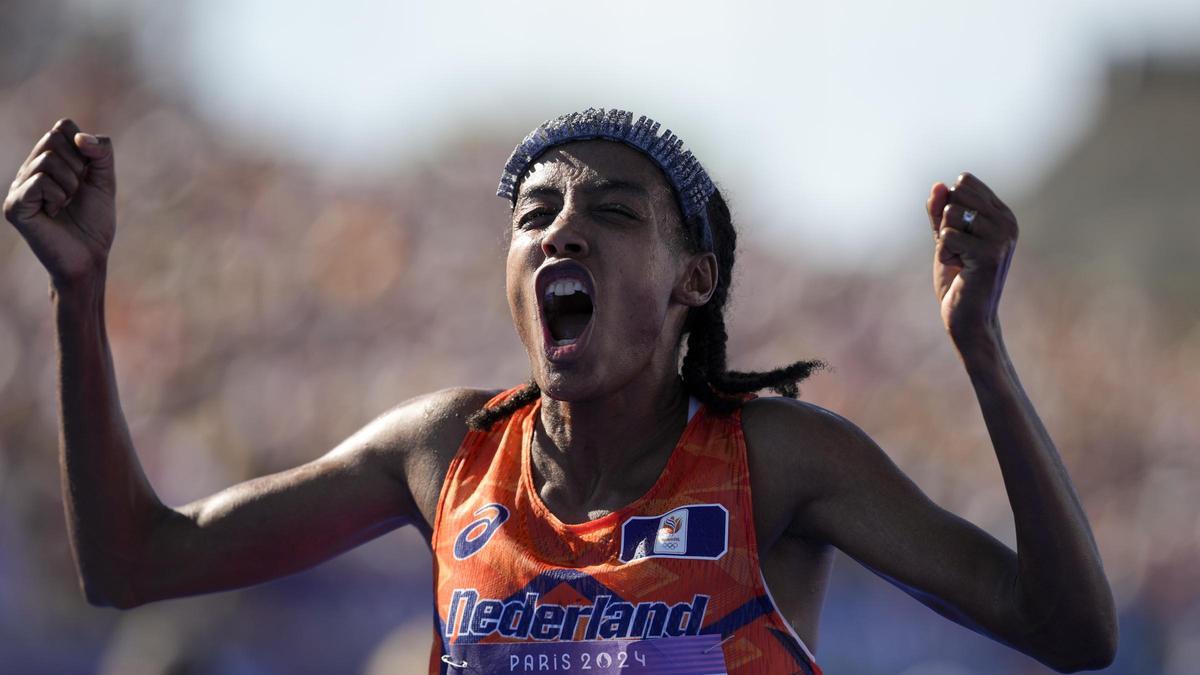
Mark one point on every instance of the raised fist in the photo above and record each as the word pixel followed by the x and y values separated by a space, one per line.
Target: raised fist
pixel 63 202
pixel 975 235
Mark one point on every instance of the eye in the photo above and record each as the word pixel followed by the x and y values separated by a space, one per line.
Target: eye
pixel 535 218
pixel 619 210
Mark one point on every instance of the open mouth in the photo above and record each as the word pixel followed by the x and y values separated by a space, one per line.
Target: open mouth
pixel 566 293
pixel 568 310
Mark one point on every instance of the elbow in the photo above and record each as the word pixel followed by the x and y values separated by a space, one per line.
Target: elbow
pixel 108 593
pixel 1095 659
pixel 97 598
pixel 1102 635
pixel 1079 632
pixel 115 576
pixel 1106 650
pixel 1100 653
pixel 1092 648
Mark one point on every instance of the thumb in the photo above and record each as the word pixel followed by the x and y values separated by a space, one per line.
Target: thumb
pixel 100 168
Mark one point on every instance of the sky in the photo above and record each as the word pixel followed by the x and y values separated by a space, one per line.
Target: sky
pixel 826 123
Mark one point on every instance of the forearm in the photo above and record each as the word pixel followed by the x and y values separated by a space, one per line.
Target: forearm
pixel 110 506
pixel 128 546
pixel 271 526
pixel 131 548
pixel 1060 584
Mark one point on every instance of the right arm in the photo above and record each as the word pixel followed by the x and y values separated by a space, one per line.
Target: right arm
pixel 129 547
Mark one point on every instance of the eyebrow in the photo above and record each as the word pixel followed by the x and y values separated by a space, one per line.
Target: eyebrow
pixel 593 187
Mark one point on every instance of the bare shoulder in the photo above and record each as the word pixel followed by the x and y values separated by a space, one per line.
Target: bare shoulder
pixel 783 427
pixel 416 440
pixel 800 452
pixel 429 421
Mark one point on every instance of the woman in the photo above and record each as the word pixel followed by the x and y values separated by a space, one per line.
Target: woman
pixel 619 494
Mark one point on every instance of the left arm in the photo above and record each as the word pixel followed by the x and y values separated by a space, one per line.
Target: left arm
pixel 1059 585
pixel 1060 581
pixel 1050 599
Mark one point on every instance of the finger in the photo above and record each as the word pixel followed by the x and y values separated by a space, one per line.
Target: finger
pixel 966 196
pixel 63 143
pixel 51 163
pixel 56 140
pixel 942 253
pixel 54 197
pixel 101 169
pixel 42 145
pixel 955 216
pixel 939 195
pixel 955 246
pixel 968 199
pixel 972 197
pixel 1001 223
pixel 972 181
pixel 67 126
pixel 37 193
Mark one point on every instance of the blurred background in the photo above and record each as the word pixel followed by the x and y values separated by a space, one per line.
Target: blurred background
pixel 308 235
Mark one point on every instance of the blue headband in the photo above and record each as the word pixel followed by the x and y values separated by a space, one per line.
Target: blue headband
pixel 692 184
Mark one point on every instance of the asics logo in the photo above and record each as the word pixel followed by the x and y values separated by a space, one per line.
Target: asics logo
pixel 478 532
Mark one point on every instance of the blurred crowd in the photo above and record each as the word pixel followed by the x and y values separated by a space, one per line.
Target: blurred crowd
pixel 261 311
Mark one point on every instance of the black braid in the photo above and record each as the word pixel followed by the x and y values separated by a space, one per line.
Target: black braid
pixel 704 371
pixel 485 417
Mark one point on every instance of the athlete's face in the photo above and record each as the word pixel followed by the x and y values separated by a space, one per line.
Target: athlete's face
pixel 599 283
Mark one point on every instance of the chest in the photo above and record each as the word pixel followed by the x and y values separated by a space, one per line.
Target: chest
pixel 679 561
pixel 675 539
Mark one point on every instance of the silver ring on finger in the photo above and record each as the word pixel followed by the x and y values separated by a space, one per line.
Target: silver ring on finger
pixel 968 218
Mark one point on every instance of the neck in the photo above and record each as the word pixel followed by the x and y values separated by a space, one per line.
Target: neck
pixel 582 446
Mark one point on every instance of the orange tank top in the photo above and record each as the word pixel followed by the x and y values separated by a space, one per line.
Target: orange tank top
pixel 680 561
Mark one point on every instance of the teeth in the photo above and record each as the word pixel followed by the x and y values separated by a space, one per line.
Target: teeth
pixel 565 287
pixel 560 343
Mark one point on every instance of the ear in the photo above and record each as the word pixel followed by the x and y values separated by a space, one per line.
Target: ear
pixel 698 281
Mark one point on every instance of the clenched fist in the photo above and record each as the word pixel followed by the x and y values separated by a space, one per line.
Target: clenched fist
pixel 975 235
pixel 63 202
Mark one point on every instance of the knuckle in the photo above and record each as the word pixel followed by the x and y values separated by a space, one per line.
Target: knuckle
pixel 45 184
pixel 52 163
pixel 12 207
pixel 65 149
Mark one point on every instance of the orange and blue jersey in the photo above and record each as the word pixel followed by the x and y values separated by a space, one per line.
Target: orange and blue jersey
pixel 680 563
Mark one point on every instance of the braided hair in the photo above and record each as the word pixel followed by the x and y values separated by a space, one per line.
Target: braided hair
pixel 704 372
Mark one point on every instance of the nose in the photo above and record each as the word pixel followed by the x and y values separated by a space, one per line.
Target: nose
pixel 565 238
